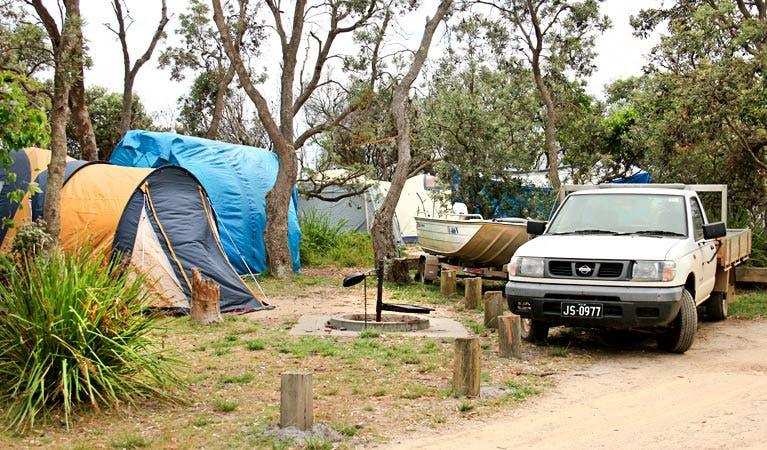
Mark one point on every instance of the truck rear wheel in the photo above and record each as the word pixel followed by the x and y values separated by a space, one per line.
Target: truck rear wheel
pixel 680 337
pixel 716 307
pixel 534 331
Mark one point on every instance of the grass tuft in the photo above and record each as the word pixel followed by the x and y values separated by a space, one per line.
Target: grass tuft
pixel 224 406
pixel 370 333
pixel 324 242
pixel 255 345
pixel 129 442
pixel 465 407
pixel 751 305
pixel 244 378
pixel 73 332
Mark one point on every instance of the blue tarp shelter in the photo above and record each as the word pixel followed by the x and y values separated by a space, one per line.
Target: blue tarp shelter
pixel 236 178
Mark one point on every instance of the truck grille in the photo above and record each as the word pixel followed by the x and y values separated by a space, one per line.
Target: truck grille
pixel 611 270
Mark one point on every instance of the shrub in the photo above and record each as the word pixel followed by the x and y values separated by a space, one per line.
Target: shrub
pixel 324 243
pixel 72 333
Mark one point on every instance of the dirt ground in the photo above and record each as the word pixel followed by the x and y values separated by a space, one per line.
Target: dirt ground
pixel 714 396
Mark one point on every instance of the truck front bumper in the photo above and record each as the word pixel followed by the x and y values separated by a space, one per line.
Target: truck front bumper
pixel 623 307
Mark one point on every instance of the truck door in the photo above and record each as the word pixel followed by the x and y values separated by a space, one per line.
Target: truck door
pixel 706 253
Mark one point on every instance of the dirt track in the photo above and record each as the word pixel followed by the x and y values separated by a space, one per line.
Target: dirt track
pixel 714 396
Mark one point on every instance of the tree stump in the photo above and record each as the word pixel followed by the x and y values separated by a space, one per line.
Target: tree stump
pixel 296 408
pixel 510 336
pixel 494 306
pixel 206 299
pixel 466 367
pixel 397 270
pixel 447 282
pixel 472 292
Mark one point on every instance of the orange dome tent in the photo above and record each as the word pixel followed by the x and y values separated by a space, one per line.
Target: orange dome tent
pixel 161 218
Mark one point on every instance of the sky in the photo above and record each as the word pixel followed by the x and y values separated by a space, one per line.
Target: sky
pixel 620 54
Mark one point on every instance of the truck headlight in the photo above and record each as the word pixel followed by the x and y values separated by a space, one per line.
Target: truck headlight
pixel 653 271
pixel 525 266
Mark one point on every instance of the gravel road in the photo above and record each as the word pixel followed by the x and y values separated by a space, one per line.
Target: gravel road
pixel 714 396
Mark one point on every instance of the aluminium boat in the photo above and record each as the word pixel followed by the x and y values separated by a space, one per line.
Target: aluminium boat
pixel 469 238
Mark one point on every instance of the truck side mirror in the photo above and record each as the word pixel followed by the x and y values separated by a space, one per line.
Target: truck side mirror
pixel 536 228
pixel 714 230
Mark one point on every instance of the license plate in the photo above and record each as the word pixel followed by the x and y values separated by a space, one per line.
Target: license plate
pixel 591 310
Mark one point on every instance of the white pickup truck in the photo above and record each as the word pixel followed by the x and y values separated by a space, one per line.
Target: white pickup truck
pixel 627 257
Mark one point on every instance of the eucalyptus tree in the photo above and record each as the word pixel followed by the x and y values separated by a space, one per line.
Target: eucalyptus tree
pixel 201 53
pixel 132 67
pixel 700 108
pixel 33 54
pixel 381 231
pixel 556 39
pixel 68 62
pixel 305 50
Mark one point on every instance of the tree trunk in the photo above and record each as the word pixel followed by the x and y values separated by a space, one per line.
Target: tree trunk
pixel 65 57
pixel 277 207
pixel 127 106
pixel 218 106
pixel 83 127
pixel 381 231
pixel 549 127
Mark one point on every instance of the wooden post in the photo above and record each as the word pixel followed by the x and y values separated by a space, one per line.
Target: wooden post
pixel 466 366
pixel 510 336
pixel 494 306
pixel 206 299
pixel 296 409
pixel 472 292
pixel 447 282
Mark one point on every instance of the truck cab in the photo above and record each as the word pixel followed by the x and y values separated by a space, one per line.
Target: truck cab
pixel 631 257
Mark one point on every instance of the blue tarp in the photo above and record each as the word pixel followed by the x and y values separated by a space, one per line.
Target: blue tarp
pixel 641 177
pixel 236 177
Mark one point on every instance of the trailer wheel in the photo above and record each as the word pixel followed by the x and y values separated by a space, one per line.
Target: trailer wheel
pixel 534 330
pixel 716 307
pixel 680 337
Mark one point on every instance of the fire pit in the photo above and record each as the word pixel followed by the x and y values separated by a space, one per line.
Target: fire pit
pixel 391 323
pixel 380 321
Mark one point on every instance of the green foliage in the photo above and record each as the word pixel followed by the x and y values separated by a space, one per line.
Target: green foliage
pixel 698 115
pixel 465 407
pixel 31 240
pixel 105 108
pixel 22 123
pixel 325 243
pixel 73 332
pixel 129 442
pixel 520 391
pixel 225 406
pixel 751 305
pixel 255 345
pixel 482 122
pixel 370 333
pixel 317 443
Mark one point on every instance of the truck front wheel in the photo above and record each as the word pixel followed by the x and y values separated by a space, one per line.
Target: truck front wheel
pixel 534 330
pixel 681 335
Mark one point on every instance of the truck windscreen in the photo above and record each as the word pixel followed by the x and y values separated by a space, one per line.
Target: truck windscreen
pixel 662 215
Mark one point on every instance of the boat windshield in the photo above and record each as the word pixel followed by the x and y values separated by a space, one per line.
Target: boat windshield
pixel 622 214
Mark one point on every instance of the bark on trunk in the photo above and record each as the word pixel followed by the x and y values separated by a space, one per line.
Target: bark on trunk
pixel 277 207
pixel 218 106
pixel 83 127
pixel 127 106
pixel 549 128
pixel 381 231
pixel 65 57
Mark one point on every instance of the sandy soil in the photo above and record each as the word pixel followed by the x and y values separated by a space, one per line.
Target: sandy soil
pixel 714 396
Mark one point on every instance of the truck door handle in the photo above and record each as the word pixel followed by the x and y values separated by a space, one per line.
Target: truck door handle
pixel 712 247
